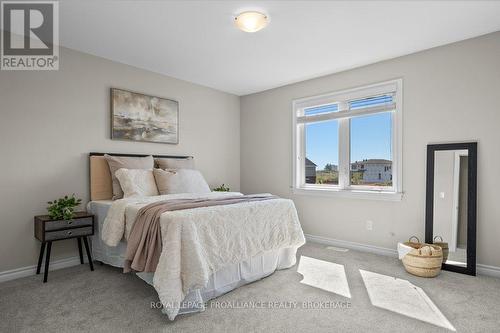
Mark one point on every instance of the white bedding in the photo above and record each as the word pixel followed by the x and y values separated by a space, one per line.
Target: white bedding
pixel 199 242
pixel 222 281
pixel 122 213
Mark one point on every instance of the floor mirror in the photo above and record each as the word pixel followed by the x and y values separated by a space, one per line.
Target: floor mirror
pixel 450 213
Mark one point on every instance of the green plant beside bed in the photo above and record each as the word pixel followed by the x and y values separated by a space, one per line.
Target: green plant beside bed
pixel 63 208
pixel 222 188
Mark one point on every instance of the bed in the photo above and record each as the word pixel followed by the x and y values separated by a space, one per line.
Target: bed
pixel 193 269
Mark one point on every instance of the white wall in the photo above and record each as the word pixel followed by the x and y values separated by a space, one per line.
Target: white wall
pixel 50 121
pixel 450 93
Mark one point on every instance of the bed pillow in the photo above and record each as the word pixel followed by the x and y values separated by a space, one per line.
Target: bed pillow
pixel 122 162
pixel 175 163
pixel 137 182
pixel 180 181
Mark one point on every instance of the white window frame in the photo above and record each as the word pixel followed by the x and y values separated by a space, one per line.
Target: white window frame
pixel 343 116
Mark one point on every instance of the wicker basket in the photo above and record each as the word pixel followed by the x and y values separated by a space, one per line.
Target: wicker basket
pixel 424 260
pixel 415 245
pixel 443 246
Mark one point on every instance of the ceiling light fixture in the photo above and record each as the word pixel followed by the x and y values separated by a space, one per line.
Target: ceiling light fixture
pixel 251 21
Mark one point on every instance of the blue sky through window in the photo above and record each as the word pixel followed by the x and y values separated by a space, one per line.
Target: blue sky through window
pixel 370 138
pixel 322 143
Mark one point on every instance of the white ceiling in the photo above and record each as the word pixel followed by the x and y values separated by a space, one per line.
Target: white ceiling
pixel 196 40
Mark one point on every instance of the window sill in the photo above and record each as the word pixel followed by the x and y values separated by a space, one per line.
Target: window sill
pixel 352 194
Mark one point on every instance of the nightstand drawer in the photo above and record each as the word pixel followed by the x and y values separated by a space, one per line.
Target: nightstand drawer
pixel 68 233
pixel 54 225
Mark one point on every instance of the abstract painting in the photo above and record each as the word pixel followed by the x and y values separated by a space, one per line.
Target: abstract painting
pixel 140 117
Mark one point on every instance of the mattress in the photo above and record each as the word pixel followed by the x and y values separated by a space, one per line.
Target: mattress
pixel 221 282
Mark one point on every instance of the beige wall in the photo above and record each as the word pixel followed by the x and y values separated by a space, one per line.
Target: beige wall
pixel 450 93
pixel 49 121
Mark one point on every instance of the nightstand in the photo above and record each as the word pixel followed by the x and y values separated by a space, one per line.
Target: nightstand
pixel 48 231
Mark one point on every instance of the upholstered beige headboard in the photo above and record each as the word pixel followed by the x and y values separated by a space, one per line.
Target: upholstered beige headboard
pixel 101 187
pixel 100 179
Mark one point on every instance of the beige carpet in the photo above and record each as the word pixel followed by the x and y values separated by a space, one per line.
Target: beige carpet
pixel 336 295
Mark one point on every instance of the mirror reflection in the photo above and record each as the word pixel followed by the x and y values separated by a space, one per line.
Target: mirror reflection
pixel 450 204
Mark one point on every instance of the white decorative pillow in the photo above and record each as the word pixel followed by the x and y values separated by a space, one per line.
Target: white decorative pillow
pixel 137 182
pixel 118 162
pixel 180 181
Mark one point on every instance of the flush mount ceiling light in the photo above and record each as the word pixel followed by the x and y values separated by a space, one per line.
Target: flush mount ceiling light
pixel 251 21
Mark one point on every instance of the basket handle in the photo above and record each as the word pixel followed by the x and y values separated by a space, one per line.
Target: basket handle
pixel 418 240
pixel 440 238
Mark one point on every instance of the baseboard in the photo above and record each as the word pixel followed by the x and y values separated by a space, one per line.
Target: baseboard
pixel 31 270
pixel 492 271
pixel 352 245
pixel 481 269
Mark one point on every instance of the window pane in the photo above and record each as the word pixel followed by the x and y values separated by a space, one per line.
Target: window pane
pixel 321 109
pixel 371 150
pixel 370 101
pixel 322 155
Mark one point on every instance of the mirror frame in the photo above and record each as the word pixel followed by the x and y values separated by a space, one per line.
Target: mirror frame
pixel 471 147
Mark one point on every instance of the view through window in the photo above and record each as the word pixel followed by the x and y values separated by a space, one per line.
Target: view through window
pixel 347 140
pixel 322 153
pixel 370 153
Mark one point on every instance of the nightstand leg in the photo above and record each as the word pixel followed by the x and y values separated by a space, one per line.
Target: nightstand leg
pixel 86 243
pixel 40 258
pixel 80 249
pixel 47 261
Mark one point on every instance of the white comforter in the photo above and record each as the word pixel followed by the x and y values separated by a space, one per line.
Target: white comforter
pixel 198 242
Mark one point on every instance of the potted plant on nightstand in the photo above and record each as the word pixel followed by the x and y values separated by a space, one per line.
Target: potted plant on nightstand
pixel 222 188
pixel 63 208
pixel 62 222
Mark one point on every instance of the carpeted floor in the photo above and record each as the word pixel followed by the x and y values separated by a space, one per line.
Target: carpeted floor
pixel 76 299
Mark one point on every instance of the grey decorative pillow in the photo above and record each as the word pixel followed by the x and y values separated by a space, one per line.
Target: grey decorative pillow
pixel 122 162
pixel 175 163
pixel 180 181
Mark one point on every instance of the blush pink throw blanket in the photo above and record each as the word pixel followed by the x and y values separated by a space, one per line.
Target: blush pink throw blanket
pixel 144 244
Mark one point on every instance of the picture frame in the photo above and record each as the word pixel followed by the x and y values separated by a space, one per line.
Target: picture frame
pixel 143 118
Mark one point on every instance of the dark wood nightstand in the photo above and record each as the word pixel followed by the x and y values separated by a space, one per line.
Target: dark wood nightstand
pixel 47 231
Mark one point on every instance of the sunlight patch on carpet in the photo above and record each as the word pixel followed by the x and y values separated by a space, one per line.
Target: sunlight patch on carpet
pixel 324 275
pixel 403 297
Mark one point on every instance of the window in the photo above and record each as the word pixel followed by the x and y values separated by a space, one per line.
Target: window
pixel 349 142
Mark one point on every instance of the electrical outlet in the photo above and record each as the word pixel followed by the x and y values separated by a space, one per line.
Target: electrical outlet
pixel 369 225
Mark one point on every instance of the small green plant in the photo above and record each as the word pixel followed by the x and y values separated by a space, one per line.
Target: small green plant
pixel 222 188
pixel 63 208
